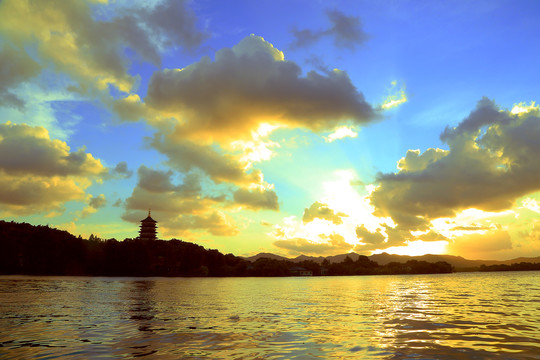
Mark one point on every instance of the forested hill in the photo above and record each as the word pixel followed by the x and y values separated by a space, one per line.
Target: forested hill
pixel 458 262
pixel 42 250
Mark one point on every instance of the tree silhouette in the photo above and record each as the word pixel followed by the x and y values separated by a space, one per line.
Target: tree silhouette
pixel 41 250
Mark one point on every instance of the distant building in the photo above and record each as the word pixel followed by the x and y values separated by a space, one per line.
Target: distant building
pixel 300 271
pixel 148 229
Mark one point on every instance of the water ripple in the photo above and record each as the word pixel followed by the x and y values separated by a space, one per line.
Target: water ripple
pixel 463 316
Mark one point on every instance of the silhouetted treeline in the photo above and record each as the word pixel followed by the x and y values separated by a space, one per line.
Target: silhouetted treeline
pixel 364 266
pixel 41 250
pixel 522 266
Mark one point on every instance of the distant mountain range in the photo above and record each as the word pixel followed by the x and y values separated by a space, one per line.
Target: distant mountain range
pixel 382 259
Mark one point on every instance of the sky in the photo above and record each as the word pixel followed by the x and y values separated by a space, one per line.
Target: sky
pixel 292 127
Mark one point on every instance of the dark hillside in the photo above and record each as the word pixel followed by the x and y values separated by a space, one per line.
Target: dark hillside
pixel 42 250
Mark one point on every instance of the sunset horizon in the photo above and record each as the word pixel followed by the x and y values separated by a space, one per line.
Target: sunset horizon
pixel 409 128
pixel 152 150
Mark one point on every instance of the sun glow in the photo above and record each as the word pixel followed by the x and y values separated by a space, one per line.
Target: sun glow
pixel 347 205
pixel 417 248
pixel 469 221
pixel 531 204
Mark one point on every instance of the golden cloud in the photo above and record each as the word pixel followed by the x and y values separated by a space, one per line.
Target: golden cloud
pixel 29 150
pixel 180 208
pixel 256 199
pixel 414 161
pixel 25 195
pixel 250 84
pixel 38 173
pixel 322 211
pixel 489 165
pixel 186 156
pixel 223 110
pixel 368 237
pixel 335 244
pixel 69 36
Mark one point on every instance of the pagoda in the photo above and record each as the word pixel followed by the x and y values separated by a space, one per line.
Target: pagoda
pixel 148 228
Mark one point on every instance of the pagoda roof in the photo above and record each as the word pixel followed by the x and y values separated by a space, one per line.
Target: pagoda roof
pixel 149 218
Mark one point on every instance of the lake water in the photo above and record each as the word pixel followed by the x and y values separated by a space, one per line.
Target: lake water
pixel 448 316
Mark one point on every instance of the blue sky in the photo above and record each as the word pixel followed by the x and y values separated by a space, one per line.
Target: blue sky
pixel 289 127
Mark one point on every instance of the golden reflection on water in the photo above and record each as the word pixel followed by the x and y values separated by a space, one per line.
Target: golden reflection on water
pixel 465 316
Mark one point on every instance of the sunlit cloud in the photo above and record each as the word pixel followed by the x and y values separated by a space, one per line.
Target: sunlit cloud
pixel 469 193
pixel 259 148
pixel 531 204
pixel 322 211
pixel 395 97
pixel 39 174
pixel 255 151
pixel 250 84
pixel 339 212
pixel 112 107
pixel 470 221
pixel 415 161
pixel 182 207
pixel 223 112
pixel 524 109
pixel 341 133
pixel 214 161
pixel 71 38
pixel 299 246
pixel 488 167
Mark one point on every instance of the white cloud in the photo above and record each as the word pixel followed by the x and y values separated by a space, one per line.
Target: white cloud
pixel 531 204
pixel 395 97
pixel 341 133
